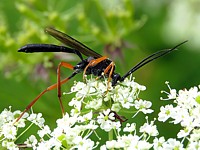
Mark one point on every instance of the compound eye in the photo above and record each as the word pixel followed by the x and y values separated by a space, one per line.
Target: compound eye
pixel 90 58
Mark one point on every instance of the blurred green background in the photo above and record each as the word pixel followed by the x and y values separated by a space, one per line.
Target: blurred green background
pixel 125 30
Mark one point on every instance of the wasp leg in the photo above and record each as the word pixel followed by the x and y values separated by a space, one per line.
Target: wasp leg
pixel 54 86
pixel 93 63
pixel 66 65
pixel 110 68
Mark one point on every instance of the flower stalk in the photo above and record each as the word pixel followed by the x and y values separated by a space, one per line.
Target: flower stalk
pixel 110 135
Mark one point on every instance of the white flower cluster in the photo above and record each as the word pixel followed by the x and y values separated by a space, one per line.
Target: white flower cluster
pixel 73 132
pixel 96 105
pixel 98 109
pixel 130 140
pixel 67 134
pixel 97 95
pixel 8 130
pixel 185 111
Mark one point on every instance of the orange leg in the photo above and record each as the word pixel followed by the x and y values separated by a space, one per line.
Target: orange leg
pixel 54 86
pixel 110 67
pixel 96 61
pixel 93 63
pixel 66 65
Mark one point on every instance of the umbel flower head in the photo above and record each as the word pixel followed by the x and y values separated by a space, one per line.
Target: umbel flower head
pixel 99 107
pixel 96 105
pixel 185 111
pixel 99 96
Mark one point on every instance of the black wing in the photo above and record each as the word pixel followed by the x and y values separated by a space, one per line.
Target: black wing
pixel 71 42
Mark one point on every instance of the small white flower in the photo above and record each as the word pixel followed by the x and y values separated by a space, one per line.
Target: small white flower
pixel 165 112
pixel 10 145
pixel 9 131
pixel 103 147
pixel 32 117
pixel 172 144
pixel 101 87
pixel 116 125
pixel 149 128
pixel 55 143
pixel 179 115
pixel 44 145
pixel 92 125
pixel 82 143
pixel 57 132
pixel 193 145
pixel 105 120
pixel 141 87
pixel 85 118
pixel 130 127
pixel 20 123
pixel 95 104
pixel 171 95
pixel 6 116
pixel 158 143
pixel 78 86
pixel 52 143
pixel 126 102
pixel 106 125
pixel 143 106
pixel 31 142
pixel 195 135
pixel 143 145
pixel 37 119
pixel 116 107
pixel 44 131
pixel 128 141
pixel 194 140
pixel 183 133
pixel 75 103
pixel 66 121
pixel 74 112
pixel 111 144
pixel 106 114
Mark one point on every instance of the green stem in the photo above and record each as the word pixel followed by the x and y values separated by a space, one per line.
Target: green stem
pixel 25 130
pixel 110 135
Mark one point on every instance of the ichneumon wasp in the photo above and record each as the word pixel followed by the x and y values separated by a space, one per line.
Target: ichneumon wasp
pixel 95 64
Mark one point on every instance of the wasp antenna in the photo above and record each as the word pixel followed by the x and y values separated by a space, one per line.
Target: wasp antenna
pixel 151 58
